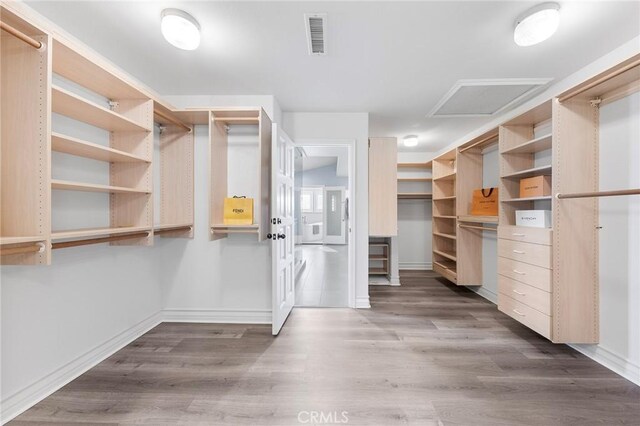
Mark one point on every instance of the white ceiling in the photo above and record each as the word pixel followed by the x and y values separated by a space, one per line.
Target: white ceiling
pixel 312 163
pixel 392 59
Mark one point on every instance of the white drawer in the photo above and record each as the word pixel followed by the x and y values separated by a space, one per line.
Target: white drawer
pixel 534 254
pixel 535 276
pixel 535 320
pixel 530 296
pixel 526 235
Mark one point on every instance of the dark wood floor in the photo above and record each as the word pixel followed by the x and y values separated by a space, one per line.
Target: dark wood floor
pixel 427 353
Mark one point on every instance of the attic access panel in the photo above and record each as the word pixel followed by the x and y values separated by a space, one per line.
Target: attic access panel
pixel 484 98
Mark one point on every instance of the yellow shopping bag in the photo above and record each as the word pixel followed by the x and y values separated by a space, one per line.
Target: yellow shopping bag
pixel 238 211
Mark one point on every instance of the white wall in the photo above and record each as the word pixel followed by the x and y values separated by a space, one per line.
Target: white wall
pixel 309 127
pixel 619 346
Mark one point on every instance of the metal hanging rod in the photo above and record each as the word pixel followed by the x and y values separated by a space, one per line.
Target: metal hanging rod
pixel 634 63
pixel 110 239
pixel 481 228
pixel 599 194
pixel 34 248
pixel 169 230
pixel 480 142
pixel 172 120
pixel 22 36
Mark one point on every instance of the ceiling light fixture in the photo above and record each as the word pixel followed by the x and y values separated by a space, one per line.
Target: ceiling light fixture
pixel 411 140
pixel 537 24
pixel 180 29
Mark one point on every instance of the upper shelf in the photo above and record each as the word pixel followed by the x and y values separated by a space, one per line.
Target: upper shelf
pixel 535 145
pixel 449 176
pixel 74 106
pixel 414 179
pixel 96 232
pixel 542 170
pixel 73 146
pixel 90 187
pixel 21 240
pixel 426 165
pixel 478 219
pixel 414 196
pixel 95 75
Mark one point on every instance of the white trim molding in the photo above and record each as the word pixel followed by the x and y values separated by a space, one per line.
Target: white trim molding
pixel 487 294
pixel 614 362
pixel 26 398
pixel 363 302
pixel 223 316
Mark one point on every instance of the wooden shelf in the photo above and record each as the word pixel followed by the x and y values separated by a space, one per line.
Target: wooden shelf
pixel 444 217
pixel 517 200
pixel 426 165
pixel 378 271
pixel 171 226
pixel 378 245
pixel 73 106
pixel 442 235
pixel 21 240
pixel 73 146
pixel 86 72
pixel 542 143
pixel 90 187
pixel 450 176
pixel 378 257
pixel 542 170
pixel 450 197
pixel 414 196
pixel 414 179
pixel 450 256
pixel 446 269
pixel 96 232
pixel 451 266
pixel 479 219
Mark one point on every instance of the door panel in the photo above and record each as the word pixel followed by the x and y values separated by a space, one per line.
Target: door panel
pixel 335 215
pixel 282 233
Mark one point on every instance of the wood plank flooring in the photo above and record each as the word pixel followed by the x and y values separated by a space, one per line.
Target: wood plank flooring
pixel 427 353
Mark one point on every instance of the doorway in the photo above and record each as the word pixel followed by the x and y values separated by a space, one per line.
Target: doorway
pixel 322 223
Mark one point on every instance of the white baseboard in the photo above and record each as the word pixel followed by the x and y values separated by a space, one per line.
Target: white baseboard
pixel 229 316
pixel 416 266
pixel 614 362
pixel 362 302
pixel 487 294
pixel 21 401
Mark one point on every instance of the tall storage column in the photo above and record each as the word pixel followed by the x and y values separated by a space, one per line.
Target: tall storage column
pixel 383 187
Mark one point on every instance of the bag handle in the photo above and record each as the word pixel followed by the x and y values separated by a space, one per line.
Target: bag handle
pixel 490 192
pixel 239 196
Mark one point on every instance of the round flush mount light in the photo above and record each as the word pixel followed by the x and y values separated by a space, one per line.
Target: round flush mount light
pixel 537 24
pixel 411 140
pixel 180 29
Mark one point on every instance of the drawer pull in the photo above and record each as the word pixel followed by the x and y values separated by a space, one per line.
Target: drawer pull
pixel 518 293
pixel 519 313
pixel 518 251
pixel 517 235
pixel 519 273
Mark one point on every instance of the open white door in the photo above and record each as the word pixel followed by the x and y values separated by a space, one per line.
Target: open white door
pixel 282 232
pixel 335 215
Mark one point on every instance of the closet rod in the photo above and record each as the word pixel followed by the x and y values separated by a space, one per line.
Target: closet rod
pixel 599 194
pixel 172 120
pixel 482 228
pixel 176 229
pixel 600 80
pixel 35 248
pixel 22 36
pixel 88 241
pixel 480 142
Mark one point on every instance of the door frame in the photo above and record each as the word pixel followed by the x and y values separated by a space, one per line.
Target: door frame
pixel 350 144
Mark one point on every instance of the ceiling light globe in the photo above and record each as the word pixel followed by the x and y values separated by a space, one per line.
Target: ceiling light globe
pixel 180 29
pixel 410 141
pixel 537 24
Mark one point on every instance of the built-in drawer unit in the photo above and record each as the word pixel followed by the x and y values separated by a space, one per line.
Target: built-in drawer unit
pixel 535 276
pixel 527 235
pixel 534 254
pixel 533 297
pixel 534 319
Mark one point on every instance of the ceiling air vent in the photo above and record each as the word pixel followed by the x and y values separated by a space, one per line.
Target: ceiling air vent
pixel 316 24
pixel 484 98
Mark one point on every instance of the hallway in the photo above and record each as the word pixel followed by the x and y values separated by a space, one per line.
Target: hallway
pixel 324 282
pixel 427 353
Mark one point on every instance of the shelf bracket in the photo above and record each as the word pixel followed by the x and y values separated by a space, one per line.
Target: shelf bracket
pixel 161 128
pixel 113 105
pixel 595 102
